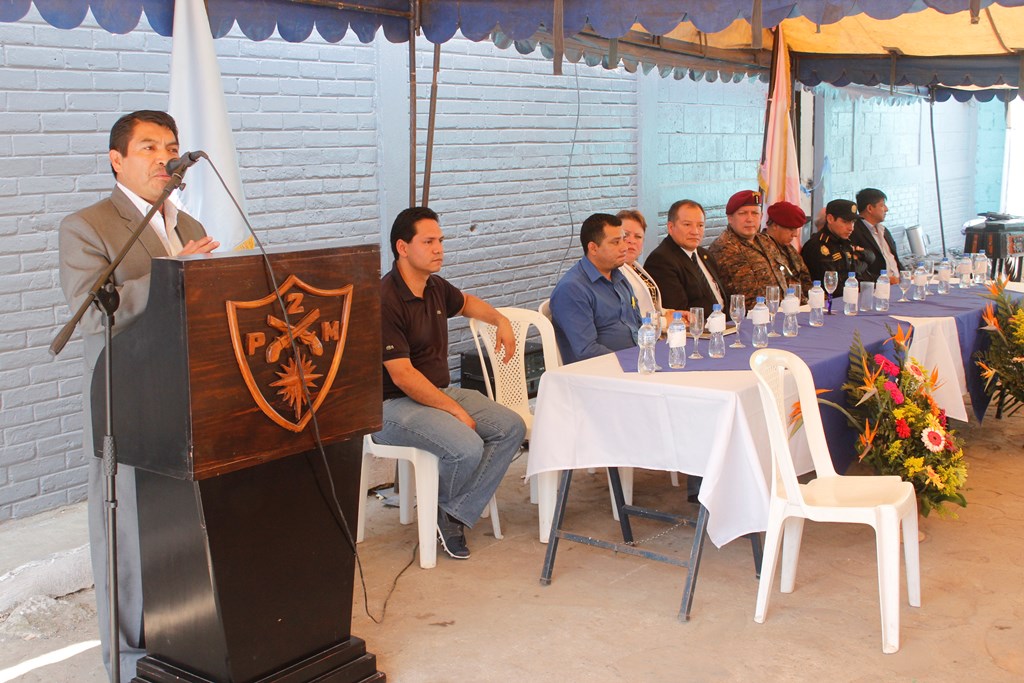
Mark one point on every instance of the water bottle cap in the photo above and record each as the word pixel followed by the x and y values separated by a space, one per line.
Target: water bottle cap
pixel 716 307
pixel 647 320
pixel 981 251
pixel 791 290
pixel 678 315
pixel 884 272
pixel 817 283
pixel 760 300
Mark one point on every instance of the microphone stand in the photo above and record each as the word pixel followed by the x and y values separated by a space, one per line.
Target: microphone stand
pixel 107 299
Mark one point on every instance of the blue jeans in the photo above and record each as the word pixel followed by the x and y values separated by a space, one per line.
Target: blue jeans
pixel 471 463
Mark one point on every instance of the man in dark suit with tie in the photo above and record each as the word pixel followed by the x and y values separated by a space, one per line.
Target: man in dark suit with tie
pixel 870 235
pixel 141 144
pixel 686 273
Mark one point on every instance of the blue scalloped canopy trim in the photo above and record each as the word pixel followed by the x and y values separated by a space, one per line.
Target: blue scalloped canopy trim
pixel 477 19
pixel 985 71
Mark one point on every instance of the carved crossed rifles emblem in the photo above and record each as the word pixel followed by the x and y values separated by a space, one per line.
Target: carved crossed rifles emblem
pixel 289 381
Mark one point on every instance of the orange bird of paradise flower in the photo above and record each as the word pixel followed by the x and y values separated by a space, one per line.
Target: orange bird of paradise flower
pixel 867 438
pixel 989 316
pixel 796 413
pixel 901 338
pixel 997 286
pixel 987 373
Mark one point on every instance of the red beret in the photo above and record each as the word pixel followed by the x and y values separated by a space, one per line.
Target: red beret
pixel 741 199
pixel 787 215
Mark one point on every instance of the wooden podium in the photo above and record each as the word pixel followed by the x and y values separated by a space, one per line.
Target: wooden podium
pixel 247 532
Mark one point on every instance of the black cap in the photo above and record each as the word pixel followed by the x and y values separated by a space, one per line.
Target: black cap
pixel 842 209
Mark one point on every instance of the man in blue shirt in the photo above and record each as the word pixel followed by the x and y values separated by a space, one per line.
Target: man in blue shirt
pixel 592 307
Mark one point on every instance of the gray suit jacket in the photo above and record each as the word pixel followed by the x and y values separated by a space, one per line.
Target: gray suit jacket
pixel 90 239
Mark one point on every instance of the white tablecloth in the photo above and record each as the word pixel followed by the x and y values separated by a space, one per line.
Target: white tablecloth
pixel 710 424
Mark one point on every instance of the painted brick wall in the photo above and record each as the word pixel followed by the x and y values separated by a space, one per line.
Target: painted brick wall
pixel 991 139
pixel 871 143
pixel 309 166
pixel 321 132
pixel 514 174
pixel 709 145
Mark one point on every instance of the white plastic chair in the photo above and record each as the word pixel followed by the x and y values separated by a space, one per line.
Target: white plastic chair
pixel 510 388
pixel 885 503
pixel 417 471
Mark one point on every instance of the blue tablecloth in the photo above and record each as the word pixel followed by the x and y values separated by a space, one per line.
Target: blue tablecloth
pixel 826 352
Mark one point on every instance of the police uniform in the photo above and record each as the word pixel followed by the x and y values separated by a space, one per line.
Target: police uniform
pixel 824 251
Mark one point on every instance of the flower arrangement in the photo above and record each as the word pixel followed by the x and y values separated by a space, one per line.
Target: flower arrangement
pixel 1002 365
pixel 902 430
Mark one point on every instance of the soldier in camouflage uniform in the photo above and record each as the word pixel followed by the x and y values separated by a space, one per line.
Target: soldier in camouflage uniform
pixel 785 220
pixel 831 249
pixel 744 255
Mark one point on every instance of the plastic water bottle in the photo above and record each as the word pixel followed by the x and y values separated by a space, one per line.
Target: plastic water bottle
pixel 965 269
pixel 981 264
pixel 851 293
pixel 645 339
pixel 882 290
pixel 716 326
pixel 760 316
pixel 816 299
pixel 677 341
pixel 945 272
pixel 790 306
pixel 920 283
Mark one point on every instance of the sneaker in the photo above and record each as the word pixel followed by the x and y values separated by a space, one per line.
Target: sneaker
pixel 452 536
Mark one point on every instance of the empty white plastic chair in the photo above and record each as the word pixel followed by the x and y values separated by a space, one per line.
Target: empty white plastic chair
pixel 884 502
pixel 417 471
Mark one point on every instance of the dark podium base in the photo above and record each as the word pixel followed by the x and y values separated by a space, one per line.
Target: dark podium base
pixel 346 662
pixel 247 577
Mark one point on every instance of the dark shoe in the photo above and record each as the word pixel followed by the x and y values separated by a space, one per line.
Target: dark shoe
pixel 452 536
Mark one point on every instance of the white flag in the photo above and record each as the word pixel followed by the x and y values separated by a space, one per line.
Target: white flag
pixel 198 106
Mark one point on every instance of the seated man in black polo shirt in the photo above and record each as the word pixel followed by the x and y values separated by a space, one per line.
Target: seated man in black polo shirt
pixel 473 437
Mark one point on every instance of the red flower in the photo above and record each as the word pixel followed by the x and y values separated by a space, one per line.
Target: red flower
pixel 888 367
pixel 950 445
pixel 942 418
pixel 894 391
pixel 902 428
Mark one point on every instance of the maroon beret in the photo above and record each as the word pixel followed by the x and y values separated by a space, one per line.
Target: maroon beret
pixel 741 199
pixel 787 215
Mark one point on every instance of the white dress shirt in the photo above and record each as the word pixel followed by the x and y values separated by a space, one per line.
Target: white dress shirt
pixel 164 224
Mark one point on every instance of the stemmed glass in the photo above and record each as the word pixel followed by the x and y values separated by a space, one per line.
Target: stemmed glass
pixel 737 309
pixel 929 268
pixel 696 329
pixel 773 297
pixel 906 280
pixel 830 281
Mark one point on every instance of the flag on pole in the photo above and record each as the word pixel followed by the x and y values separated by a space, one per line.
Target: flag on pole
pixel 198 106
pixel 778 175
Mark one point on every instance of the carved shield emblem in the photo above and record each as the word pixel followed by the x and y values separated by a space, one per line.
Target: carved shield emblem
pixel 289 345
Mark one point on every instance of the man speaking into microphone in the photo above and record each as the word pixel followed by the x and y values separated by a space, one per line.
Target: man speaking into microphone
pixel 141 145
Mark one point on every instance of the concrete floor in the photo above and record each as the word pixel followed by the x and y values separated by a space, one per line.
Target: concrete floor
pixel 608 617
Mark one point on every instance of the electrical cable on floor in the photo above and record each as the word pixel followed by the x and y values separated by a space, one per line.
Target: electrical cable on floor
pixel 394 585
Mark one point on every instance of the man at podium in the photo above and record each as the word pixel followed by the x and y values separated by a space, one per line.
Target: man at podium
pixel 141 144
pixel 473 437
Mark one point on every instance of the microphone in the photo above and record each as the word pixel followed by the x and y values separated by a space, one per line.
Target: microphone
pixel 185 161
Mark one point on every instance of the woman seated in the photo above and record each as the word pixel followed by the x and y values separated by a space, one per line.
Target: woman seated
pixel 645 290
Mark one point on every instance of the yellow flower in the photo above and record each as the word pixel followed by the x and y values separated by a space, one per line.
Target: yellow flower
pixel 933 477
pixel 913 465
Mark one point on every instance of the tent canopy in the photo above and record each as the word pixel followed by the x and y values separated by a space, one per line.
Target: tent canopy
pixel 977 43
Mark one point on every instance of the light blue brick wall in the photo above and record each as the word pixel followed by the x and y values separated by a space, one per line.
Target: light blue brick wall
pixel 322 134
pixel 872 143
pixel 988 169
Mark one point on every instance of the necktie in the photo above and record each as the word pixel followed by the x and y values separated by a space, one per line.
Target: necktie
pixel 693 257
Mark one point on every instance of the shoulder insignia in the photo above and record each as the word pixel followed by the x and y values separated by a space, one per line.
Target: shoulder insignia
pixel 837 256
pixel 824 250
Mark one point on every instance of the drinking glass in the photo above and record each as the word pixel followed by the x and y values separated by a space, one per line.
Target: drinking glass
pixel 906 280
pixel 830 282
pixel 929 267
pixel 773 295
pixel 737 309
pixel 696 329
